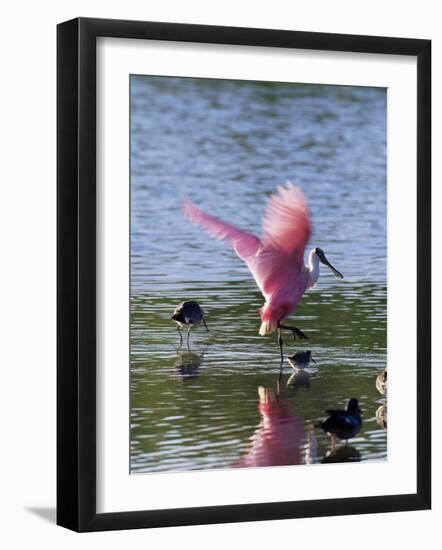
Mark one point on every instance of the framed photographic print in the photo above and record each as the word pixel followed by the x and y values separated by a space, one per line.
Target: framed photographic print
pixel 243 256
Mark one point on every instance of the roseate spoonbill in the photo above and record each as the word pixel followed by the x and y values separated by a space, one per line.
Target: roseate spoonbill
pixel 188 314
pixel 381 382
pixel 276 261
pixel 343 424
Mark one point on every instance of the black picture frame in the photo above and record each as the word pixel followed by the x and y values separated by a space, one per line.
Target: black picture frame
pixel 76 273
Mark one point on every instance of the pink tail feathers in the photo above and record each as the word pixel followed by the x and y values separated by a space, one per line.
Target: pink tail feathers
pixel 269 320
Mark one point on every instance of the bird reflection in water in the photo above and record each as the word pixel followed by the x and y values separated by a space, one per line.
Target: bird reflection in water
pixel 188 364
pixel 342 454
pixel 300 378
pixel 381 416
pixel 280 438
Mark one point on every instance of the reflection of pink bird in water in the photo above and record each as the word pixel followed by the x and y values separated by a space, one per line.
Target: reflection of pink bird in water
pixel 277 260
pixel 280 439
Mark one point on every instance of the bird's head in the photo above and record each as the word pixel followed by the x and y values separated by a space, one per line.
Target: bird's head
pixel 353 406
pixel 320 253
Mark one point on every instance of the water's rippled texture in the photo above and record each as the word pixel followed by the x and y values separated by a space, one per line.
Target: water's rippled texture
pixel 227 144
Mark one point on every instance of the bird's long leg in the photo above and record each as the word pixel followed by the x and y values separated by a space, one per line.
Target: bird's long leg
pixel 188 334
pixel 181 336
pixel 207 328
pixel 278 382
pixel 280 347
pixel 295 331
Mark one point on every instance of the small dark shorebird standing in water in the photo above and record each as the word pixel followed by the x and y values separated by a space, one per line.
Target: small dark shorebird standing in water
pixel 300 360
pixel 188 314
pixel 343 424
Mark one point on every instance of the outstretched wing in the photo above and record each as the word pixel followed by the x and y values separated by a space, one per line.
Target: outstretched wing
pixel 245 244
pixel 280 261
pixel 286 223
pixel 277 259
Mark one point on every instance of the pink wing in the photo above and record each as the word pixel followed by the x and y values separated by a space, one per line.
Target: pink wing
pixel 245 244
pixel 287 229
pixel 276 260
pixel 286 223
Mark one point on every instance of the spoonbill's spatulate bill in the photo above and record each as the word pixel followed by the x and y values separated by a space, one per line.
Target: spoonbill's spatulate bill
pixel 276 261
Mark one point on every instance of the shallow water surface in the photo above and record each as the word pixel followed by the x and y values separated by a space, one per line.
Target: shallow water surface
pixel 227 145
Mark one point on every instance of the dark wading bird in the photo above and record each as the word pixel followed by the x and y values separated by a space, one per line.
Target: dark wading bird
pixel 276 261
pixel 343 424
pixel 188 314
pixel 300 360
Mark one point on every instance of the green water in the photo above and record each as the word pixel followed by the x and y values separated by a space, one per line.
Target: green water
pixel 227 145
